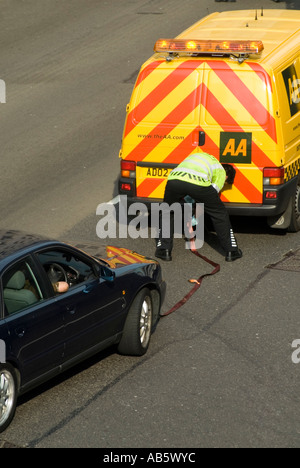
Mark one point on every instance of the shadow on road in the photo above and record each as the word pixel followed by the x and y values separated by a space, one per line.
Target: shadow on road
pixel 293 4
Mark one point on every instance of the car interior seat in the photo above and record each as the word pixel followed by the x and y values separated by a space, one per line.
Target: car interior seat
pixel 15 296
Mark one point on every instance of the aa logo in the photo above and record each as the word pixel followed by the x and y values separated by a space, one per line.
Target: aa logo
pixel 292 86
pixel 235 147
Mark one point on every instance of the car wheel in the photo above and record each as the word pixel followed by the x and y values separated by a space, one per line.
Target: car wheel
pixel 8 395
pixel 290 219
pixel 138 326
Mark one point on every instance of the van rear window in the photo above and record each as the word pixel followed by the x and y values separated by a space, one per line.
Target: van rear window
pixel 168 97
pixel 236 99
pixel 202 93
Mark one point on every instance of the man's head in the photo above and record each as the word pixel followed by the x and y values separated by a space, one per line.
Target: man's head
pixel 230 173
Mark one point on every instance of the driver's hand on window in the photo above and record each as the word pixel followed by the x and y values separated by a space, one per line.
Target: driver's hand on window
pixel 60 286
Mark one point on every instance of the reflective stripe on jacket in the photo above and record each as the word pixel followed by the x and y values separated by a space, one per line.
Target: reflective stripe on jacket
pixel 200 169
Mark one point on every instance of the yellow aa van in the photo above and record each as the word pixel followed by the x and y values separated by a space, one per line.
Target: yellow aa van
pixel 229 86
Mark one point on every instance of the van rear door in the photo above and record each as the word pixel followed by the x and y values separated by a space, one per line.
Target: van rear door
pixel 237 117
pixel 162 125
pixel 218 106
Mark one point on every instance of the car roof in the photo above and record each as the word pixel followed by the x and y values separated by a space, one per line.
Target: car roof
pixel 13 241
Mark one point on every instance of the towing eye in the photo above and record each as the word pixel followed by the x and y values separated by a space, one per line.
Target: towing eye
pixel 197 282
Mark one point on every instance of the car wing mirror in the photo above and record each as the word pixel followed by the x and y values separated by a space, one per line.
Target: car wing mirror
pixel 107 274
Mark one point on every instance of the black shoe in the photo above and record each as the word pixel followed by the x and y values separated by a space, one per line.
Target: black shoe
pixel 163 254
pixel 234 255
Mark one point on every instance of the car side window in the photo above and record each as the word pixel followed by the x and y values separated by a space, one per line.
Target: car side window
pixel 62 265
pixel 21 288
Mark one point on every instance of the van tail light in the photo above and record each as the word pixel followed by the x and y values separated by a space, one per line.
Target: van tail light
pixel 273 175
pixel 128 169
pixel 126 187
pixel 271 195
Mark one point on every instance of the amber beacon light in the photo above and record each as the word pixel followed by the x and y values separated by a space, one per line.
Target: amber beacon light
pixel 208 46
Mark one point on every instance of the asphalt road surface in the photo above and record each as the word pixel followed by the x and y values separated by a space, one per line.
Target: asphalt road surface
pixel 219 372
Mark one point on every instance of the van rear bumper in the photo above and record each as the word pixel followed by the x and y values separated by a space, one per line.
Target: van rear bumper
pixel 247 209
pixel 269 207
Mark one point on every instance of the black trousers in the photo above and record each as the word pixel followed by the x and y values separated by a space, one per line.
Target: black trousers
pixel 176 190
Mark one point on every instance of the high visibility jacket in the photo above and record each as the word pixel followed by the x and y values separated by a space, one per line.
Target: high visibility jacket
pixel 200 169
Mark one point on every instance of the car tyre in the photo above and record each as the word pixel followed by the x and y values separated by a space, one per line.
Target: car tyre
pixel 138 326
pixel 290 219
pixel 8 395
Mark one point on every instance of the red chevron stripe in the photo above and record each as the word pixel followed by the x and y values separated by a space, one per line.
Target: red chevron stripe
pixel 247 189
pixel 146 72
pixel 176 116
pixel 210 146
pixel 218 111
pixel 260 70
pixel 223 198
pixel 186 147
pixel 222 116
pixel 243 94
pixel 159 93
pixel 147 187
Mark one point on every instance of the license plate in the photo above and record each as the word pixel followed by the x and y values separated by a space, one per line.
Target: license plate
pixel 155 172
pixel 151 181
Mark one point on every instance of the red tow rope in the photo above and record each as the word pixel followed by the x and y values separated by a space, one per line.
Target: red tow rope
pixel 197 282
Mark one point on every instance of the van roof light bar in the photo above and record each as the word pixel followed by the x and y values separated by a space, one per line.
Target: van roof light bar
pixel 199 47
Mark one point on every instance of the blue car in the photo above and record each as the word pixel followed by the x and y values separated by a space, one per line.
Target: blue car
pixel 60 305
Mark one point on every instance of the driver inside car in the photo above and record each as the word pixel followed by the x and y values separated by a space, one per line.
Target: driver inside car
pixel 60 286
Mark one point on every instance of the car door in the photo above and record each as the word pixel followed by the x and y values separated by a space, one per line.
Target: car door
pixel 34 322
pixel 92 307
